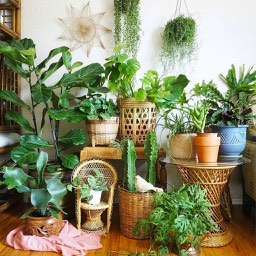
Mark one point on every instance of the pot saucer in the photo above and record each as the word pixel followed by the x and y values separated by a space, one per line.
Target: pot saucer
pixel 229 157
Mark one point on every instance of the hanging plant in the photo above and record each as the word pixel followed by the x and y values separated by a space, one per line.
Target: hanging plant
pixel 179 39
pixel 127 25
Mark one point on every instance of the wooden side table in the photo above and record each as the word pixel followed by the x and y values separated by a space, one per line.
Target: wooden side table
pixel 213 177
pixel 116 154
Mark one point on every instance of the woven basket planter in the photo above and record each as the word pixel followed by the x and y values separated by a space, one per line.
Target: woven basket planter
pixel 102 132
pixel 136 119
pixel 133 206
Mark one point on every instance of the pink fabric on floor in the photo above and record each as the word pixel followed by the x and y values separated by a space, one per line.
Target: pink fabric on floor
pixel 69 242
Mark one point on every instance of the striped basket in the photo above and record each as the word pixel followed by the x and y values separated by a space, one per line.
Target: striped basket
pixel 102 132
pixel 133 206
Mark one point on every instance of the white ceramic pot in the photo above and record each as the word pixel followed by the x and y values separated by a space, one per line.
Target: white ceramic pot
pixel 96 197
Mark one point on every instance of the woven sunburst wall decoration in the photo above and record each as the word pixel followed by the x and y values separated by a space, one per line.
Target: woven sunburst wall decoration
pixel 83 29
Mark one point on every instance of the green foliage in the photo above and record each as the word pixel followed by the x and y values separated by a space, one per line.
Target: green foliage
pixel 151 153
pixel 45 194
pixel 127 25
pixel 98 108
pixel 234 107
pixel 179 40
pixel 52 102
pixel 129 158
pixel 182 216
pixel 93 182
pixel 199 114
pixel 120 71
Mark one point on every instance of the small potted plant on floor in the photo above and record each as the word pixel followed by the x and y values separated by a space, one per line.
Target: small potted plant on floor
pixel 90 189
pixel 231 112
pixel 180 219
pixel 101 118
pixel 44 218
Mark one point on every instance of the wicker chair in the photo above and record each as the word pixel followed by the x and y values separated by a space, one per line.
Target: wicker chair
pixel 93 222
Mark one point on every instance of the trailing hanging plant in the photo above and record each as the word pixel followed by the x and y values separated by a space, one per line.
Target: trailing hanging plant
pixel 179 39
pixel 127 25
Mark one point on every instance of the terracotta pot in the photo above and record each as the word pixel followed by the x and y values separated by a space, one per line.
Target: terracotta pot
pixel 182 146
pixel 43 226
pixel 207 147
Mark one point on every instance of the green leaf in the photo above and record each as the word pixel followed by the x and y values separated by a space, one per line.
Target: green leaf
pixel 140 95
pixel 15 177
pixel 11 96
pixel 41 94
pixel 17 68
pixel 57 114
pixel 52 53
pixel 56 189
pixel 32 141
pixel 67 59
pixel 74 137
pixel 76 65
pixel 19 119
pixel 51 70
pixel 75 116
pixel 69 161
pixel 40 166
pixel 21 155
pixel 64 99
pixel 40 198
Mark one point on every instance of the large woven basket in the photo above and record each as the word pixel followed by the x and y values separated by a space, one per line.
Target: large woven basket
pixel 136 119
pixel 102 132
pixel 133 206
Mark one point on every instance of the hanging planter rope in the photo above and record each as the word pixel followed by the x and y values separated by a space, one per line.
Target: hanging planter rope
pixel 179 38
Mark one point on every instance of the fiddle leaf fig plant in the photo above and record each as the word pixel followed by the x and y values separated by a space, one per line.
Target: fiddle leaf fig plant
pixel 50 102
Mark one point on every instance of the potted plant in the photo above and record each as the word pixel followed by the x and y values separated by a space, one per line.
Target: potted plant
pixel 138 108
pixel 53 103
pixel 178 39
pixel 44 218
pixel 128 194
pixel 182 132
pixel 207 144
pixel 101 118
pixel 91 189
pixel 181 218
pixel 231 112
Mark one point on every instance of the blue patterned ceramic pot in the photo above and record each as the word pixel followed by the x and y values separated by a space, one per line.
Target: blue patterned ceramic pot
pixel 233 139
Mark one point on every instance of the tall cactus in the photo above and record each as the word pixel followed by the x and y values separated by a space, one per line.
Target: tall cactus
pixel 151 153
pixel 129 157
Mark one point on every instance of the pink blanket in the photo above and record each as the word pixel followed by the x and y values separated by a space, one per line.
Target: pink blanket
pixel 69 242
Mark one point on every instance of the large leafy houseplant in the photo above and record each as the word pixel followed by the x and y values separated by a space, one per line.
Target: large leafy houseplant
pixel 48 102
pixel 234 107
pixel 179 217
pixel 120 71
pixel 45 194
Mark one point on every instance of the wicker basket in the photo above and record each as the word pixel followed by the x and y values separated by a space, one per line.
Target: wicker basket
pixel 102 132
pixel 133 206
pixel 136 119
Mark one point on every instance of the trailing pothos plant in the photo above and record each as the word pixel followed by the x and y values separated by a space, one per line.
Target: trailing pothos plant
pixel 45 194
pixel 120 71
pixel 181 217
pixel 178 39
pixel 127 25
pixel 234 107
pixel 51 103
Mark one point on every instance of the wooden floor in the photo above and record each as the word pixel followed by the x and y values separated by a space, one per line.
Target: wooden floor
pixel 243 228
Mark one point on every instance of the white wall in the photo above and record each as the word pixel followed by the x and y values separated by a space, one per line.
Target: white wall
pixel 226 35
